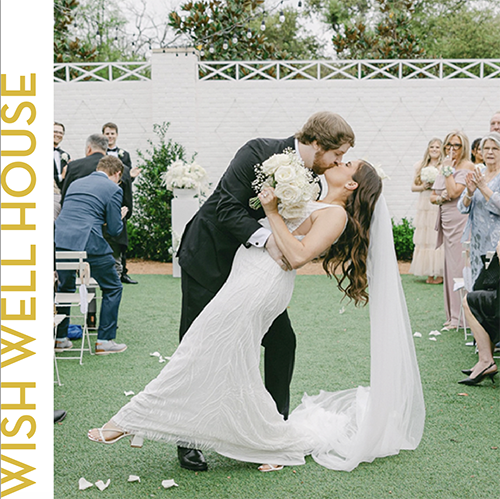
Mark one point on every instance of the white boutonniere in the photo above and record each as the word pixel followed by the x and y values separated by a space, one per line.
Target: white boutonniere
pixel 64 157
pixel 121 153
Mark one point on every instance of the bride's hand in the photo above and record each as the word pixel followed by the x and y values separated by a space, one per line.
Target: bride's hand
pixel 268 200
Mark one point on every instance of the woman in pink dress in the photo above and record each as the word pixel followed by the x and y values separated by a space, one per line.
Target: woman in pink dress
pixel 427 259
pixel 450 224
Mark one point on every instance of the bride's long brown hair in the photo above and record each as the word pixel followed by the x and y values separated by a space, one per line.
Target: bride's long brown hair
pixel 350 252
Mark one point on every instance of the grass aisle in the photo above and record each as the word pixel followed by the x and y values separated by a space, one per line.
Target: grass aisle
pixel 457 458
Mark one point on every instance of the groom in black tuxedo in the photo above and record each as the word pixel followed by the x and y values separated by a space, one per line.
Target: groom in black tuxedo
pixel 225 221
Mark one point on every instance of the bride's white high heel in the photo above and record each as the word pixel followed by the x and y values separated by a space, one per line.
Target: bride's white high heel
pixel 135 441
pixel 270 467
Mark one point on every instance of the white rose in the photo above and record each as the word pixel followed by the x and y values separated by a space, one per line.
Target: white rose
pixel 270 165
pixel 288 194
pixel 285 173
pixel 64 156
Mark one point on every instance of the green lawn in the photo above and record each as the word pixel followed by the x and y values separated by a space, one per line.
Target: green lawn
pixel 458 457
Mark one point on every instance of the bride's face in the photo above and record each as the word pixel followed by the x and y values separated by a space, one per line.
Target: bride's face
pixel 342 174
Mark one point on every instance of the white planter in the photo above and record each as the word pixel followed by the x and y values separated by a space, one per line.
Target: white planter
pixel 184 193
pixel 184 207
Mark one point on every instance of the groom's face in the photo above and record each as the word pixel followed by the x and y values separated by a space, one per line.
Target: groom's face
pixel 324 160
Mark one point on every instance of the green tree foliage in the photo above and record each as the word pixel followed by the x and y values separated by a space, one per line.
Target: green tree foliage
pixel 67 46
pixel 389 29
pixel 231 30
pixel 149 228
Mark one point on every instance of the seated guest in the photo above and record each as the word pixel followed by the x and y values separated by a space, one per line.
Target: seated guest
pixel 91 202
pixel 482 311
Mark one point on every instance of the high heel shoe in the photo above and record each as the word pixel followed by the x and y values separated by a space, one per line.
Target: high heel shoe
pixel 467 371
pixel 481 376
pixel 135 440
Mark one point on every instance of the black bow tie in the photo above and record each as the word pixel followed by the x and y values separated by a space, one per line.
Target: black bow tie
pixel 113 150
pixel 57 149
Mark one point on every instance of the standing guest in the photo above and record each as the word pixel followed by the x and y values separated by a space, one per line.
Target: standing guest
pixel 90 203
pixel 475 152
pixel 495 122
pixel 119 244
pixel 427 259
pixel 95 150
pixel 481 201
pixel 450 224
pixel 61 158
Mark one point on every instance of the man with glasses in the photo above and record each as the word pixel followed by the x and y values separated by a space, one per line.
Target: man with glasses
pixel 61 158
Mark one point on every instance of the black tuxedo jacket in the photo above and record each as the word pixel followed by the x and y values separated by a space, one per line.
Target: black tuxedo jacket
pixel 64 162
pixel 124 156
pixel 225 221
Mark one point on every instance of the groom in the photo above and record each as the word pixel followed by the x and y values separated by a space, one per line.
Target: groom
pixel 225 221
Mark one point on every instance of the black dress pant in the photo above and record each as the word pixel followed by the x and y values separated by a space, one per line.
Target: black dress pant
pixel 279 341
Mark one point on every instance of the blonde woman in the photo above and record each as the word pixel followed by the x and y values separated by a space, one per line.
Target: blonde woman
pixel 450 224
pixel 427 260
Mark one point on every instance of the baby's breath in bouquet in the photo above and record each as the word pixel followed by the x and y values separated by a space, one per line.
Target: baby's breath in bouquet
pixel 293 183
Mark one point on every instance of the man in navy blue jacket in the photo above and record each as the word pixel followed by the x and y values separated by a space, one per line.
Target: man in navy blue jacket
pixel 91 202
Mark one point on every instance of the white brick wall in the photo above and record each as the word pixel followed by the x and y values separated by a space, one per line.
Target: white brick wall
pixel 393 119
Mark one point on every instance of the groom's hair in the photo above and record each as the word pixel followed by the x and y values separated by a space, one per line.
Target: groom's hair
pixel 330 130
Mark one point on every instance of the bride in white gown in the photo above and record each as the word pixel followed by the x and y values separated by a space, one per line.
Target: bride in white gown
pixel 211 394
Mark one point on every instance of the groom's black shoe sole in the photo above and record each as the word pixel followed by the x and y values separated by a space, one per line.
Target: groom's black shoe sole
pixel 191 459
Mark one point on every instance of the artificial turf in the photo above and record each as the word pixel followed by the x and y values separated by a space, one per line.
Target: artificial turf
pixel 458 457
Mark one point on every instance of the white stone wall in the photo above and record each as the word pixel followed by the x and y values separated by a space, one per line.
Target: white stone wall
pixel 393 119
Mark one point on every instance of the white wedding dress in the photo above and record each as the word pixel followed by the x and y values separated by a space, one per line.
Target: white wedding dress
pixel 211 394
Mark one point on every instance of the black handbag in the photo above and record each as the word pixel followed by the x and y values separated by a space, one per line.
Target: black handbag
pixel 489 277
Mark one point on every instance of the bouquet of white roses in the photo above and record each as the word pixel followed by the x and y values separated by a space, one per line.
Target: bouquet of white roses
pixel 429 174
pixel 294 184
pixel 182 175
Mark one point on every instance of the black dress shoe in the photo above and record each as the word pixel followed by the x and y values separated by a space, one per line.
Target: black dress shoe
pixel 191 459
pixel 59 416
pixel 126 279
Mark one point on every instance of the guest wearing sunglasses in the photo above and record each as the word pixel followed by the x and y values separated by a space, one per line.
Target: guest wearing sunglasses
pixel 450 223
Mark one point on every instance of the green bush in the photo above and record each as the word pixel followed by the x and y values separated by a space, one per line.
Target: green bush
pixel 403 239
pixel 149 227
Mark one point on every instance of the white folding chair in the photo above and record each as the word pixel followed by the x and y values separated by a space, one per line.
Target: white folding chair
pixel 463 285
pixel 58 318
pixel 74 260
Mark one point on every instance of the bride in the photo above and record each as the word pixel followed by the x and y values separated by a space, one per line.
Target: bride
pixel 211 395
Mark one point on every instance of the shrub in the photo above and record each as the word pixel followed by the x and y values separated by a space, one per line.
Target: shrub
pixel 403 239
pixel 149 227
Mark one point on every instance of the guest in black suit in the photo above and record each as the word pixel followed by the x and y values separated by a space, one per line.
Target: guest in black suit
pixel 95 149
pixel 225 221
pixel 120 243
pixel 90 203
pixel 61 158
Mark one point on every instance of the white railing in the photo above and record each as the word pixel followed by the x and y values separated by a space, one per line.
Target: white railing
pixel 436 69
pixel 102 71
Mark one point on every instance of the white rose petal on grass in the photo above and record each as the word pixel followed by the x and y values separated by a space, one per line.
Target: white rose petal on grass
pixel 101 485
pixel 161 360
pixel 155 354
pixel 342 310
pixel 133 478
pixel 129 393
pixel 433 338
pixel 168 483
pixel 434 333
pixel 84 484
pixel 417 334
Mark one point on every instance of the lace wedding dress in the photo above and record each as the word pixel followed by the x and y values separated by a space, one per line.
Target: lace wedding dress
pixel 211 395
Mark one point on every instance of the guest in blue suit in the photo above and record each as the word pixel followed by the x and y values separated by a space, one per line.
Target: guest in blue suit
pixel 91 202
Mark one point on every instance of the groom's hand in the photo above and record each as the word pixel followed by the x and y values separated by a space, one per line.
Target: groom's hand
pixel 276 253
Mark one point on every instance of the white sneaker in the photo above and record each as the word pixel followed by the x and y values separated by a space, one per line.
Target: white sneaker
pixel 108 347
pixel 62 345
